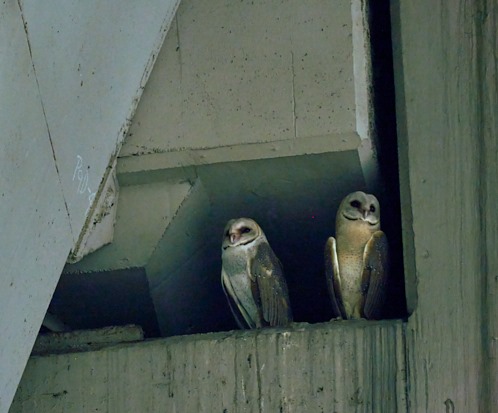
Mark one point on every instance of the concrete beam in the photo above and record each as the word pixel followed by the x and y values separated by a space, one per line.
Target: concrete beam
pixel 254 81
pixel 86 340
pixel 143 214
pixel 332 367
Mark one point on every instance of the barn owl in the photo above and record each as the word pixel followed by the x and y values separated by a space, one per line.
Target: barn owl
pixel 357 260
pixel 252 277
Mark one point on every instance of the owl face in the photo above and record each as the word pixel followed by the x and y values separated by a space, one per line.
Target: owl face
pixel 240 231
pixel 361 206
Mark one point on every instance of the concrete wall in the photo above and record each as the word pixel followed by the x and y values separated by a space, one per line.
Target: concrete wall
pixel 254 80
pixel 447 97
pixel 334 367
pixel 71 74
pixel 36 233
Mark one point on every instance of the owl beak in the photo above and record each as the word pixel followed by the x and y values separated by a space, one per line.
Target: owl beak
pixel 365 213
pixel 234 238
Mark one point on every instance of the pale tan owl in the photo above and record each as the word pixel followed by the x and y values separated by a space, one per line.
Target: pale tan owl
pixel 252 277
pixel 357 260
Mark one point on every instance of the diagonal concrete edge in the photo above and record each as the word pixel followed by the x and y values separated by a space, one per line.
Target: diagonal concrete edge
pixel 53 116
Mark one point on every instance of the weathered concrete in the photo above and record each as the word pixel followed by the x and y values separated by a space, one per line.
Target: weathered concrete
pixel 447 96
pixel 90 93
pixel 35 231
pixel 85 340
pixel 254 80
pixel 334 367
pixel 100 226
pixel 143 214
pixel 71 76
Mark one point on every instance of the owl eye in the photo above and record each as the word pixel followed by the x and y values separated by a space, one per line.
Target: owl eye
pixel 245 230
pixel 372 208
pixel 355 204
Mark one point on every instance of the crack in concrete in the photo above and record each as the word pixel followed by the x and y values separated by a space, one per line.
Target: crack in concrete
pixel 258 375
pixel 293 95
pixel 178 46
pixel 25 25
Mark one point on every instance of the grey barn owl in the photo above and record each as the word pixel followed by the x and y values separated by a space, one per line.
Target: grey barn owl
pixel 357 260
pixel 252 277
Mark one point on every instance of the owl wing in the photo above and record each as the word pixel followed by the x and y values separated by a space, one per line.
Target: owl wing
pixel 375 275
pixel 235 306
pixel 333 277
pixel 269 287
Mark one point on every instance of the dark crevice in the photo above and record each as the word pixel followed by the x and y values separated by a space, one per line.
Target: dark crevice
pixel 387 147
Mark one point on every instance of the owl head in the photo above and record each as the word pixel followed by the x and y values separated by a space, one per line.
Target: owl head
pixel 240 231
pixel 359 206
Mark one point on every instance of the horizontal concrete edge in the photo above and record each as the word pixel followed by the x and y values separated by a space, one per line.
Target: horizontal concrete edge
pixel 132 335
pixel 86 340
pixel 347 366
pixel 263 150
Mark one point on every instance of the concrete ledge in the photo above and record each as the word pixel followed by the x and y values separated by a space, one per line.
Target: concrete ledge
pixel 242 152
pixel 86 340
pixel 331 367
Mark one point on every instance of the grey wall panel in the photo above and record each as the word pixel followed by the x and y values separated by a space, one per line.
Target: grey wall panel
pixel 487 122
pixel 71 74
pixel 35 235
pixel 446 104
pixel 243 80
pixel 92 60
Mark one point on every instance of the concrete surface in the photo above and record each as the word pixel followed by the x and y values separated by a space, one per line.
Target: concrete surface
pixel 90 93
pixel 447 96
pixel 254 80
pixel 85 340
pixel 446 99
pixel 99 230
pixel 71 76
pixel 333 367
pixel 143 214
pixel 35 230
